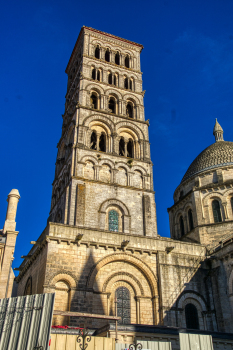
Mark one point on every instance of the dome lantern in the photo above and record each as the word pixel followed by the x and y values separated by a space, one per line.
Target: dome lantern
pixel 218 132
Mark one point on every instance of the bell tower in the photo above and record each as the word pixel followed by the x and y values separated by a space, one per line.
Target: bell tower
pixel 103 178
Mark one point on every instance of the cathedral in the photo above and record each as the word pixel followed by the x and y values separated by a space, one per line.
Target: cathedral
pixel 100 251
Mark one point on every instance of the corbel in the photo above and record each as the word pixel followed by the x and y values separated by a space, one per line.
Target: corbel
pixel 124 244
pixel 169 249
pixel 26 256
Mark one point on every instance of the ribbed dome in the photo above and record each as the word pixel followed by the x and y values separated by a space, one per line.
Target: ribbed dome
pixel 216 155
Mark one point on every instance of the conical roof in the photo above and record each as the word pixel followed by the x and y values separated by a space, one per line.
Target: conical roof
pixel 217 126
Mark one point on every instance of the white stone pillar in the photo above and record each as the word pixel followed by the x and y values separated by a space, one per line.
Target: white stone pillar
pixel 12 199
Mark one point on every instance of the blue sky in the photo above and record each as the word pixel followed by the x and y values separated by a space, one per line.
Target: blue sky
pixel 187 65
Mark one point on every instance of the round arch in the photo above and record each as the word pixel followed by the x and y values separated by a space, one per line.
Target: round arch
pixel 63 277
pixel 102 119
pixel 124 276
pixel 131 126
pixel 138 263
pixel 108 202
pixel 89 158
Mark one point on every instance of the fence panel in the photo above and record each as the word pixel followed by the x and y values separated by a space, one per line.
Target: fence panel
pixel 150 345
pixel 25 322
pixel 69 342
pixel 195 342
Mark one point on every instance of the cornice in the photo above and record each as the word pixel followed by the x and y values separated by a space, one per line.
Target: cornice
pixel 101 111
pixel 112 184
pixel 99 33
pixel 112 64
pixel 142 93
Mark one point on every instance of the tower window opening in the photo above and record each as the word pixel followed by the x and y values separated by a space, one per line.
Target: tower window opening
pixel 110 78
pixel 190 216
pixel 117 58
pixel 191 317
pixel 126 85
pixel 102 142
pixel 93 73
pixel 115 80
pixel 130 149
pixel 122 147
pixel 97 52
pixel 123 305
pixel 129 110
pixel 181 225
pixel 127 61
pixel 130 84
pixel 93 140
pixel 216 211
pixel 94 101
pixel 112 105
pixel 98 75
pixel 113 221
pixel 107 56
pixel 232 203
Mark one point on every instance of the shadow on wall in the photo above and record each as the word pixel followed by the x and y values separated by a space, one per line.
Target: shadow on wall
pixel 84 299
pixel 199 305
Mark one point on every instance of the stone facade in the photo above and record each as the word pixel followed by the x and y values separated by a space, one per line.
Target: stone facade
pixel 102 233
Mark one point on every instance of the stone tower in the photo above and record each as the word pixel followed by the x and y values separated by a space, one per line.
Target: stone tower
pixel 103 177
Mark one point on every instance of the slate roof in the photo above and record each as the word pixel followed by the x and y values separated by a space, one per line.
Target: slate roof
pixel 216 155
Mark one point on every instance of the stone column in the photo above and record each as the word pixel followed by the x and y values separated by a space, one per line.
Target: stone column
pixel 130 178
pixel 97 171
pixel 137 112
pixel 126 143
pixel 115 142
pixel 138 310
pixel 114 175
pixel 224 204
pixel 98 140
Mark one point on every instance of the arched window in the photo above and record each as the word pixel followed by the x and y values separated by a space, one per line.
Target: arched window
pixel 93 140
pixel 130 149
pixel 102 142
pixel 110 78
pixel 216 211
pixel 112 105
pixel 115 80
pixel 130 84
pixel 93 101
pixel 129 110
pixel 232 203
pixel 122 147
pixel 113 221
pixel 181 225
pixel 97 52
pixel 123 305
pixel 127 61
pixel 117 58
pixel 98 75
pixel 93 73
pixel 126 83
pixel 191 317
pixel 190 216
pixel 107 55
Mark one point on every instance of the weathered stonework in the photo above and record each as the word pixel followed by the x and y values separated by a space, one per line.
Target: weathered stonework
pixel 103 168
